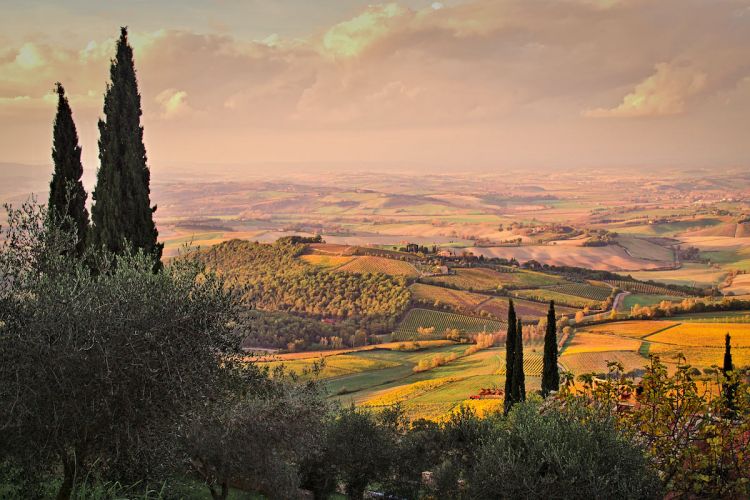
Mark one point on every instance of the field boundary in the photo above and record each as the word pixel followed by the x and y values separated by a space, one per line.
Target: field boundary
pixel 659 331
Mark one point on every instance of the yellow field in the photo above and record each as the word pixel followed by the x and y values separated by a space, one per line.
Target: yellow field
pixel 700 357
pixel 634 329
pixel 705 335
pixel 457 299
pixel 425 344
pixel 401 393
pixel 481 407
pixel 334 366
pixel 533 363
pixel 326 261
pixel 587 362
pixel 382 265
pixel 592 342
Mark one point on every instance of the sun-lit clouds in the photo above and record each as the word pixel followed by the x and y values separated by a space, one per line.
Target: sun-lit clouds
pixel 173 103
pixel 506 78
pixel 349 38
pixel 29 57
pixel 663 93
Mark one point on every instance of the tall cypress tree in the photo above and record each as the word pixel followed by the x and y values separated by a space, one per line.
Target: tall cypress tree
pixel 67 197
pixel 122 210
pixel 729 387
pixel 510 341
pixel 519 379
pixel 550 373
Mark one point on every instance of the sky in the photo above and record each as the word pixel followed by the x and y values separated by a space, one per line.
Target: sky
pixel 416 84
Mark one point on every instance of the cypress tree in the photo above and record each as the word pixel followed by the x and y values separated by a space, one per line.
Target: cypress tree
pixel 519 379
pixel 729 388
pixel 67 197
pixel 510 341
pixel 550 373
pixel 122 210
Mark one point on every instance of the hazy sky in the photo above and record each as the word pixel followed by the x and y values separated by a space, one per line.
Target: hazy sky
pixel 465 84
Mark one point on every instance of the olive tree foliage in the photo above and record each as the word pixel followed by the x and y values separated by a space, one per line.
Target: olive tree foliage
pixel 99 367
pixel 695 433
pixel 553 454
pixel 257 436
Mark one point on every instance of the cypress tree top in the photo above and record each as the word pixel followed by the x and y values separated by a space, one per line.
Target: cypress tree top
pixel 67 197
pixel 122 210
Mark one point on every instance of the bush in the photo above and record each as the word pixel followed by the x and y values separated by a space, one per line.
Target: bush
pixel 552 455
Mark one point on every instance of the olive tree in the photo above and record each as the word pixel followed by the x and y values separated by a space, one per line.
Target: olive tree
pixel 101 358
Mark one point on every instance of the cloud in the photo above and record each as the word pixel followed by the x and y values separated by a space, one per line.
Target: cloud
pixel 499 70
pixel 29 57
pixel 173 103
pixel 663 93
pixel 350 38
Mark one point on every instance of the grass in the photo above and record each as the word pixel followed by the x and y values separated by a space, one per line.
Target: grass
pixel 431 394
pixel 632 329
pixel 716 317
pixel 704 335
pixel 367 264
pixel 334 366
pixel 440 321
pixel 594 342
pixel 525 309
pixel 590 292
pixel 545 295
pixel 641 288
pixel 484 279
pixel 644 249
pixel 326 261
pixel 596 362
pixel 691 274
pixel 437 296
pixel 700 357
pixel 391 396
pixel 646 300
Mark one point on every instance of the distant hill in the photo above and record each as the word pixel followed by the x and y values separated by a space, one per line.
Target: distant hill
pixel 18 181
pixel 728 230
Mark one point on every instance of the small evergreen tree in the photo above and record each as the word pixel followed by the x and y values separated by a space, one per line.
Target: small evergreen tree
pixel 519 379
pixel 550 373
pixel 122 211
pixel 510 341
pixel 67 197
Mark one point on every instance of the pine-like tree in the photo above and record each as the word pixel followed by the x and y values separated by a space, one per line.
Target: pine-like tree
pixel 67 197
pixel 519 379
pixel 730 388
pixel 550 372
pixel 510 341
pixel 122 210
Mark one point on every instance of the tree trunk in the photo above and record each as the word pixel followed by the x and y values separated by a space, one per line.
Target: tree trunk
pixel 69 471
pixel 220 495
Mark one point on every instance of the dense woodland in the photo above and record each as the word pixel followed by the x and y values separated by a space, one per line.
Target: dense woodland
pixel 272 278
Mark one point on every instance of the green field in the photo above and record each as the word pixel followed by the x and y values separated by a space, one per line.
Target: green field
pixel 434 393
pixel 484 279
pixel 642 288
pixel 589 292
pixel 440 321
pixel 691 274
pixel 715 317
pixel 545 295
pixel 645 300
